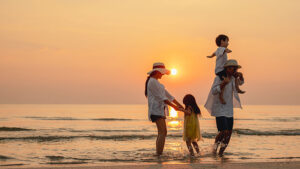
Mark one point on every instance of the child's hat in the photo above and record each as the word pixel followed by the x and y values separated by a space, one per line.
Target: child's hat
pixel 158 66
pixel 232 62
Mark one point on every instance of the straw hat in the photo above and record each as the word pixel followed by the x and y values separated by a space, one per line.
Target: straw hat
pixel 158 66
pixel 232 62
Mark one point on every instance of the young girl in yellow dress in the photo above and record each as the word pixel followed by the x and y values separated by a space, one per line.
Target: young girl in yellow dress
pixel 191 133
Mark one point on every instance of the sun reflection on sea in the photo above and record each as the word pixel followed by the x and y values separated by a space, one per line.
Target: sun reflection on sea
pixel 174 123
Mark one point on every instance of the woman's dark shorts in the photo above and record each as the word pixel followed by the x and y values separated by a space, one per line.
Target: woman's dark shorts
pixel 224 123
pixel 156 117
pixel 222 74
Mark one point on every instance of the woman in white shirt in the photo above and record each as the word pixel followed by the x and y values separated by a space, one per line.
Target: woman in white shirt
pixel 158 99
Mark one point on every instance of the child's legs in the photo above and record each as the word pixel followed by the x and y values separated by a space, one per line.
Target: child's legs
pixel 222 75
pixel 237 85
pixel 221 96
pixel 189 146
pixel 196 147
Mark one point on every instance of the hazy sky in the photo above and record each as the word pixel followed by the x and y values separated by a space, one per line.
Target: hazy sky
pixel 88 51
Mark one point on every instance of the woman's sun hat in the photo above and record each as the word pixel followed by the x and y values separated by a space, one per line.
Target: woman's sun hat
pixel 232 62
pixel 158 66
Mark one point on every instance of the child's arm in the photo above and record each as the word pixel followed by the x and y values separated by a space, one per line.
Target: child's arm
pixel 186 112
pixel 212 55
pixel 228 50
pixel 177 103
pixel 172 105
pixel 220 52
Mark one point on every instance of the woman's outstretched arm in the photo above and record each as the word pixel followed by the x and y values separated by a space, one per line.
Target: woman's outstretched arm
pixel 172 105
pixel 177 103
pixel 172 99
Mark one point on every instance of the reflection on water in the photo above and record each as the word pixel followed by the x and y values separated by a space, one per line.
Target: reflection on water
pixel 174 146
pixel 174 124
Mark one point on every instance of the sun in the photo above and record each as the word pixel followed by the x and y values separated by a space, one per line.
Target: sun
pixel 173 71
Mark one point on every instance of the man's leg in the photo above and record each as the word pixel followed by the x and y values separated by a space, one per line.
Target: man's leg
pixel 220 121
pixel 227 136
pixel 225 142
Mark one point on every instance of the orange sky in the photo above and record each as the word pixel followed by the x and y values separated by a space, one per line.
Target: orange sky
pixel 71 51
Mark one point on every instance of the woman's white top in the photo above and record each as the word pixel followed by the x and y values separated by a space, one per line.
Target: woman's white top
pixel 156 95
pixel 230 95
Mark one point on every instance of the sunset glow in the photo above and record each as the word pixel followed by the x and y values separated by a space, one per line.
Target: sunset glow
pixel 99 52
pixel 173 113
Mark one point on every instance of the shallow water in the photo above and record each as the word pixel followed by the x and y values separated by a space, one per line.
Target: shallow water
pixel 33 135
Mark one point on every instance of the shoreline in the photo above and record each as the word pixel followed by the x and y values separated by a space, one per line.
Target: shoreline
pixel 225 165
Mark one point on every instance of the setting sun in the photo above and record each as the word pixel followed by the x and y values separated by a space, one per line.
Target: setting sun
pixel 173 71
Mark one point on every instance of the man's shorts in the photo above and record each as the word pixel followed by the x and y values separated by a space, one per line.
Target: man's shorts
pixel 224 123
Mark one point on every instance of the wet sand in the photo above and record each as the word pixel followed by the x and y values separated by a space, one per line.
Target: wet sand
pixel 254 165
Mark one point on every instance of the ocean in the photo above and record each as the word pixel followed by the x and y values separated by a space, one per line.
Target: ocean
pixel 56 134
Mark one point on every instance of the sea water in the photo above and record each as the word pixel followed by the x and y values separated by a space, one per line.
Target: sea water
pixel 45 135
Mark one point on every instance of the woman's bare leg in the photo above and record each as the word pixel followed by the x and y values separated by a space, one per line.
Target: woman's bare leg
pixel 161 137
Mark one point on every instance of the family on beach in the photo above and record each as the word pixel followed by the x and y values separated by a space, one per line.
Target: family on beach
pixel 222 98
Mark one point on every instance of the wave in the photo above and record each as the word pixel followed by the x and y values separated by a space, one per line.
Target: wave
pixel 55 158
pixel 8 165
pixel 4 157
pixel 143 130
pixel 70 130
pixel 113 119
pixel 295 132
pixel 111 137
pixel 238 131
pixel 118 160
pixel 58 138
pixel 71 118
pixel 14 129
pixel 105 131
pixel 71 162
pixel 284 157
pixel 290 119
